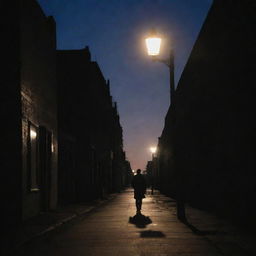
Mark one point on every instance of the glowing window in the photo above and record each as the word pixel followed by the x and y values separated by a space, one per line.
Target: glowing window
pixel 33 158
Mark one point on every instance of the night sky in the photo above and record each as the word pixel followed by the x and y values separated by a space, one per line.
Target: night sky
pixel 115 30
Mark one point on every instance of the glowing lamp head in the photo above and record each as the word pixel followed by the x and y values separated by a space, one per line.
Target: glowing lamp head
pixel 153 44
pixel 153 150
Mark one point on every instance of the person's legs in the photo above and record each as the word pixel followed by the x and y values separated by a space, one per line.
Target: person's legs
pixel 138 204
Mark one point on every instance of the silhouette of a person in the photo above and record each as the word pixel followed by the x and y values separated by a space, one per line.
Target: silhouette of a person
pixel 139 185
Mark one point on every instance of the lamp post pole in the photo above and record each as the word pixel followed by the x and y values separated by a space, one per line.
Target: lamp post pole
pixel 172 82
pixel 153 43
pixel 170 64
pixel 153 168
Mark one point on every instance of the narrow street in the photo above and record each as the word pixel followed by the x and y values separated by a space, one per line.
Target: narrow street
pixel 109 230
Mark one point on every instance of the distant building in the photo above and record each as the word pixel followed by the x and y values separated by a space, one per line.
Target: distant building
pixel 28 110
pixel 207 148
pixel 91 157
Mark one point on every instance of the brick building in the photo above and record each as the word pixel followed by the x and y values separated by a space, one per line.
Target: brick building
pixel 28 110
pixel 207 148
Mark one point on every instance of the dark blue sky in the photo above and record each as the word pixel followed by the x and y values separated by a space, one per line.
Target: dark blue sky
pixel 115 30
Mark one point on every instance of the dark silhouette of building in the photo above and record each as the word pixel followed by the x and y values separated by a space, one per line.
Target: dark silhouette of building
pixel 128 174
pixel 45 92
pixel 207 148
pixel 91 158
pixel 28 107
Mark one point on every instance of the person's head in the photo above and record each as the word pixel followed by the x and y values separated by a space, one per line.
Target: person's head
pixel 139 171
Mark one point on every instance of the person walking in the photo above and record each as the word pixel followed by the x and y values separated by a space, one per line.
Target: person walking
pixel 139 185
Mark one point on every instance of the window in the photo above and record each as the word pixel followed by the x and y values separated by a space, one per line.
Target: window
pixel 33 157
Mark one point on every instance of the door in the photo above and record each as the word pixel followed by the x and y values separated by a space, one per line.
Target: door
pixel 45 156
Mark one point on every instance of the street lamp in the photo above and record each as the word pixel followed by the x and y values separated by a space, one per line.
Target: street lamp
pixel 153 44
pixel 153 151
pixel 153 173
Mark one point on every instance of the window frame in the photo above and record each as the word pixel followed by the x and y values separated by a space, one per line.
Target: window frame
pixel 33 156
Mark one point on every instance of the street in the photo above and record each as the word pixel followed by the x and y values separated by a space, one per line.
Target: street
pixel 112 229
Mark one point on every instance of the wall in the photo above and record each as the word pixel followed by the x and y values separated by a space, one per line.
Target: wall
pixel 75 152
pixel 39 102
pixel 90 134
pixel 213 132
pixel 10 109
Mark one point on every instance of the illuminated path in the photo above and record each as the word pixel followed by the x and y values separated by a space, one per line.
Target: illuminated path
pixel 106 231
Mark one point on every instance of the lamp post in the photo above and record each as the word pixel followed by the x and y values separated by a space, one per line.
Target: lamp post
pixel 153 44
pixel 153 174
pixel 153 151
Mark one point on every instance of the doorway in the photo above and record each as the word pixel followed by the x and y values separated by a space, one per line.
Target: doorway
pixel 45 162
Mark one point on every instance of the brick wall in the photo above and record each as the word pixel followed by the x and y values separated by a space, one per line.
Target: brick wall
pixel 38 96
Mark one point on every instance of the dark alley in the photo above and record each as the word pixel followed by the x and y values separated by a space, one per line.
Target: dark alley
pixel 106 230
pixel 128 127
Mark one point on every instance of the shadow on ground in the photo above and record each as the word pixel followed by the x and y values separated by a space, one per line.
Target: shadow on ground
pixel 202 232
pixel 152 234
pixel 140 220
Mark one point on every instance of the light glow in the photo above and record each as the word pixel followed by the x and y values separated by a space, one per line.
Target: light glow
pixel 153 45
pixel 153 150
pixel 33 134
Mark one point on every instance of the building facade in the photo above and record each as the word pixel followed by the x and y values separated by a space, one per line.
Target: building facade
pixel 28 110
pixel 207 147
pixel 61 137
pixel 91 158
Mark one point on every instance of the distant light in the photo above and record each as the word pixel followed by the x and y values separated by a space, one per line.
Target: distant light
pixel 153 45
pixel 153 150
pixel 33 134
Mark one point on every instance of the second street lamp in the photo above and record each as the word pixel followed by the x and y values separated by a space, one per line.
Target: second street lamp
pixel 153 172
pixel 153 44
pixel 153 151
